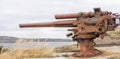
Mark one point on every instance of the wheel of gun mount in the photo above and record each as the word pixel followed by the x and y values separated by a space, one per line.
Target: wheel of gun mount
pixel 87 49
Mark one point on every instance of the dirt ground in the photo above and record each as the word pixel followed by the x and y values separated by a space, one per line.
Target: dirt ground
pixel 112 52
pixel 109 47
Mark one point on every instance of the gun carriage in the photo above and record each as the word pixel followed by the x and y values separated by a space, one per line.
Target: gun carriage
pixel 86 27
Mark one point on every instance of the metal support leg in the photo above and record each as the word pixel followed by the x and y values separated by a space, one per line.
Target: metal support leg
pixel 87 49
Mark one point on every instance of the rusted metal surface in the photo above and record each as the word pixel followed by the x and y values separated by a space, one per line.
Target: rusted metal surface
pixel 87 27
pixel 81 14
pixel 87 49
pixel 65 16
pixel 65 23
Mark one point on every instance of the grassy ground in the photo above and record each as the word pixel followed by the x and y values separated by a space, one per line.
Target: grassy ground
pixel 18 53
pixel 27 52
pixel 114 34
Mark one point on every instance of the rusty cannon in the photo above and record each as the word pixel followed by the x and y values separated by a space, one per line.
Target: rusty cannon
pixel 86 26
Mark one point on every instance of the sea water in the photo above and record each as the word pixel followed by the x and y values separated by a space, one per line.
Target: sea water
pixel 37 44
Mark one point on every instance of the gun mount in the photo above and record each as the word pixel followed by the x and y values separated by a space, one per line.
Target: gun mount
pixel 86 27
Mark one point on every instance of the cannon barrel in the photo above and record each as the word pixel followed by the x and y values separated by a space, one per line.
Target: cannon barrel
pixel 65 16
pixel 81 14
pixel 65 23
pixel 35 25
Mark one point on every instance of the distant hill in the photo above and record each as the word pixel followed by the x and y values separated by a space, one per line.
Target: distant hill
pixel 7 37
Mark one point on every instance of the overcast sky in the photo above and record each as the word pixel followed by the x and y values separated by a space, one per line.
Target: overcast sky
pixel 15 12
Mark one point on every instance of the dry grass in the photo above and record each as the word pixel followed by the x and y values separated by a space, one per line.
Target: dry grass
pixel 68 48
pixel 27 52
pixel 114 34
